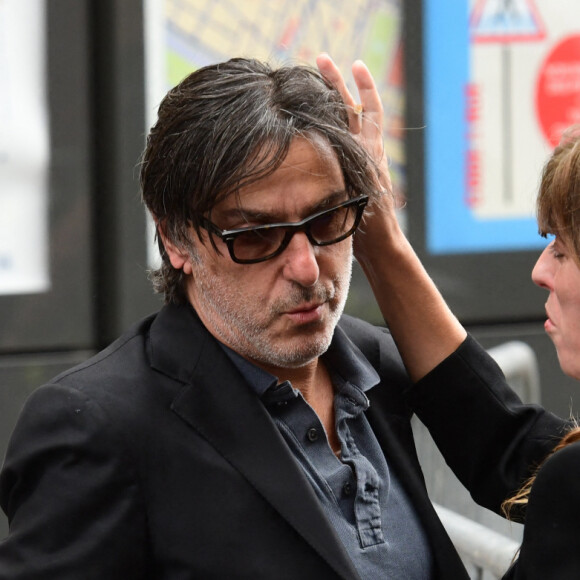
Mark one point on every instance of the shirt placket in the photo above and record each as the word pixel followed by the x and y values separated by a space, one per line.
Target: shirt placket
pixel 350 403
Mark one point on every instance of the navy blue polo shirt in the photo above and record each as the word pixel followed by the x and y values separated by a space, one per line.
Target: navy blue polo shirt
pixel 360 495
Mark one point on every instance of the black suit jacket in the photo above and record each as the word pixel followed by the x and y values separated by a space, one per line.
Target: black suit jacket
pixel 154 459
pixel 551 544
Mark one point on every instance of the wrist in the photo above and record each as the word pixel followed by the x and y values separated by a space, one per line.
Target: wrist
pixel 379 239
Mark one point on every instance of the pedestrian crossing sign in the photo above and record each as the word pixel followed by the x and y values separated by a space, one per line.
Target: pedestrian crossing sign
pixel 506 21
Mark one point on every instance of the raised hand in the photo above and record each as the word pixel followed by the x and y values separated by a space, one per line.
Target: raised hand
pixel 366 116
pixel 366 123
pixel 425 330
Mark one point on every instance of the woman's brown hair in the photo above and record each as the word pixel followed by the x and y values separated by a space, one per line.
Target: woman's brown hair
pixel 518 501
pixel 558 202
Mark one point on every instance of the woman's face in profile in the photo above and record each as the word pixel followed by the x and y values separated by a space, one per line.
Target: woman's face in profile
pixel 558 272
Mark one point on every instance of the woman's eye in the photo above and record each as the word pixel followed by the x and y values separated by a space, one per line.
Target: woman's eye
pixel 556 252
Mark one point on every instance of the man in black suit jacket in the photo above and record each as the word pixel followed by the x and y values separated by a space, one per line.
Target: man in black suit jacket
pixel 247 430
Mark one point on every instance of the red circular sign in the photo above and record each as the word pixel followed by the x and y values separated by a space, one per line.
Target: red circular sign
pixel 558 89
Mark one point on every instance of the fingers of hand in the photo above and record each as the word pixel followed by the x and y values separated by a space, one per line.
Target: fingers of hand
pixel 369 97
pixel 332 74
pixel 366 117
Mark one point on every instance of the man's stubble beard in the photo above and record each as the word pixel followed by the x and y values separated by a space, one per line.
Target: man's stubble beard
pixel 241 325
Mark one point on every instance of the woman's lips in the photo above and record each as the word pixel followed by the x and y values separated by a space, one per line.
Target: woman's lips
pixel 549 324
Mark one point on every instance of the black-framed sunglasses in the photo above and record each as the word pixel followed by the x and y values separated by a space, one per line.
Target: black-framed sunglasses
pixel 259 243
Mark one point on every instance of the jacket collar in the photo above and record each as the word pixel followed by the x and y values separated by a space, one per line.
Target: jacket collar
pixel 217 403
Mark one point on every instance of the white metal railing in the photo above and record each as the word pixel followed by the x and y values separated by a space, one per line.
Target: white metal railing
pixel 481 548
pixel 519 364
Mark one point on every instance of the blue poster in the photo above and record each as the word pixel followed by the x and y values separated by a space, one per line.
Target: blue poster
pixel 484 151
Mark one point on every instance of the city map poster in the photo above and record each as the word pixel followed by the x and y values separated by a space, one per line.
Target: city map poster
pixel 24 149
pixel 183 35
pixel 502 81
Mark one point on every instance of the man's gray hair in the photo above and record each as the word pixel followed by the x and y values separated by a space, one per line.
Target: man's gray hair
pixel 226 126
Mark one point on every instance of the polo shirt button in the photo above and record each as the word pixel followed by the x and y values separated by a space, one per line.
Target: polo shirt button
pixel 347 489
pixel 312 434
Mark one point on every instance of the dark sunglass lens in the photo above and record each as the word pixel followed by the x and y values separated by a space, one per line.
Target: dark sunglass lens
pixel 332 225
pixel 256 244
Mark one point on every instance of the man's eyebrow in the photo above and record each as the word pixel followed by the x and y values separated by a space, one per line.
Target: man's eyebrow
pixel 333 199
pixel 259 215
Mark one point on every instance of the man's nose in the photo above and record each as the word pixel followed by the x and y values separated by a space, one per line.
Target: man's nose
pixel 301 264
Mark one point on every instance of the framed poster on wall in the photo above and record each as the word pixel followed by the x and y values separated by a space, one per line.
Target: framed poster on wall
pixel 24 148
pixel 45 176
pixel 183 35
pixel 498 81
pixel 498 93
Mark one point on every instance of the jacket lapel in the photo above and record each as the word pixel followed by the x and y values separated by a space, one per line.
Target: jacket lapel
pixel 221 408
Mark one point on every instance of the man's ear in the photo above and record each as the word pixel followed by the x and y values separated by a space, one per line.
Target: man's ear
pixel 179 257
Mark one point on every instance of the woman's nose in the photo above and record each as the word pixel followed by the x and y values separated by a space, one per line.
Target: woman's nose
pixel 542 273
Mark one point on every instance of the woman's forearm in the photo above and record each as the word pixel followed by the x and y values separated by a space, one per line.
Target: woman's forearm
pixel 424 328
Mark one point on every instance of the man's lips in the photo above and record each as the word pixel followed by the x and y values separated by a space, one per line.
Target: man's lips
pixel 304 308
pixel 306 313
